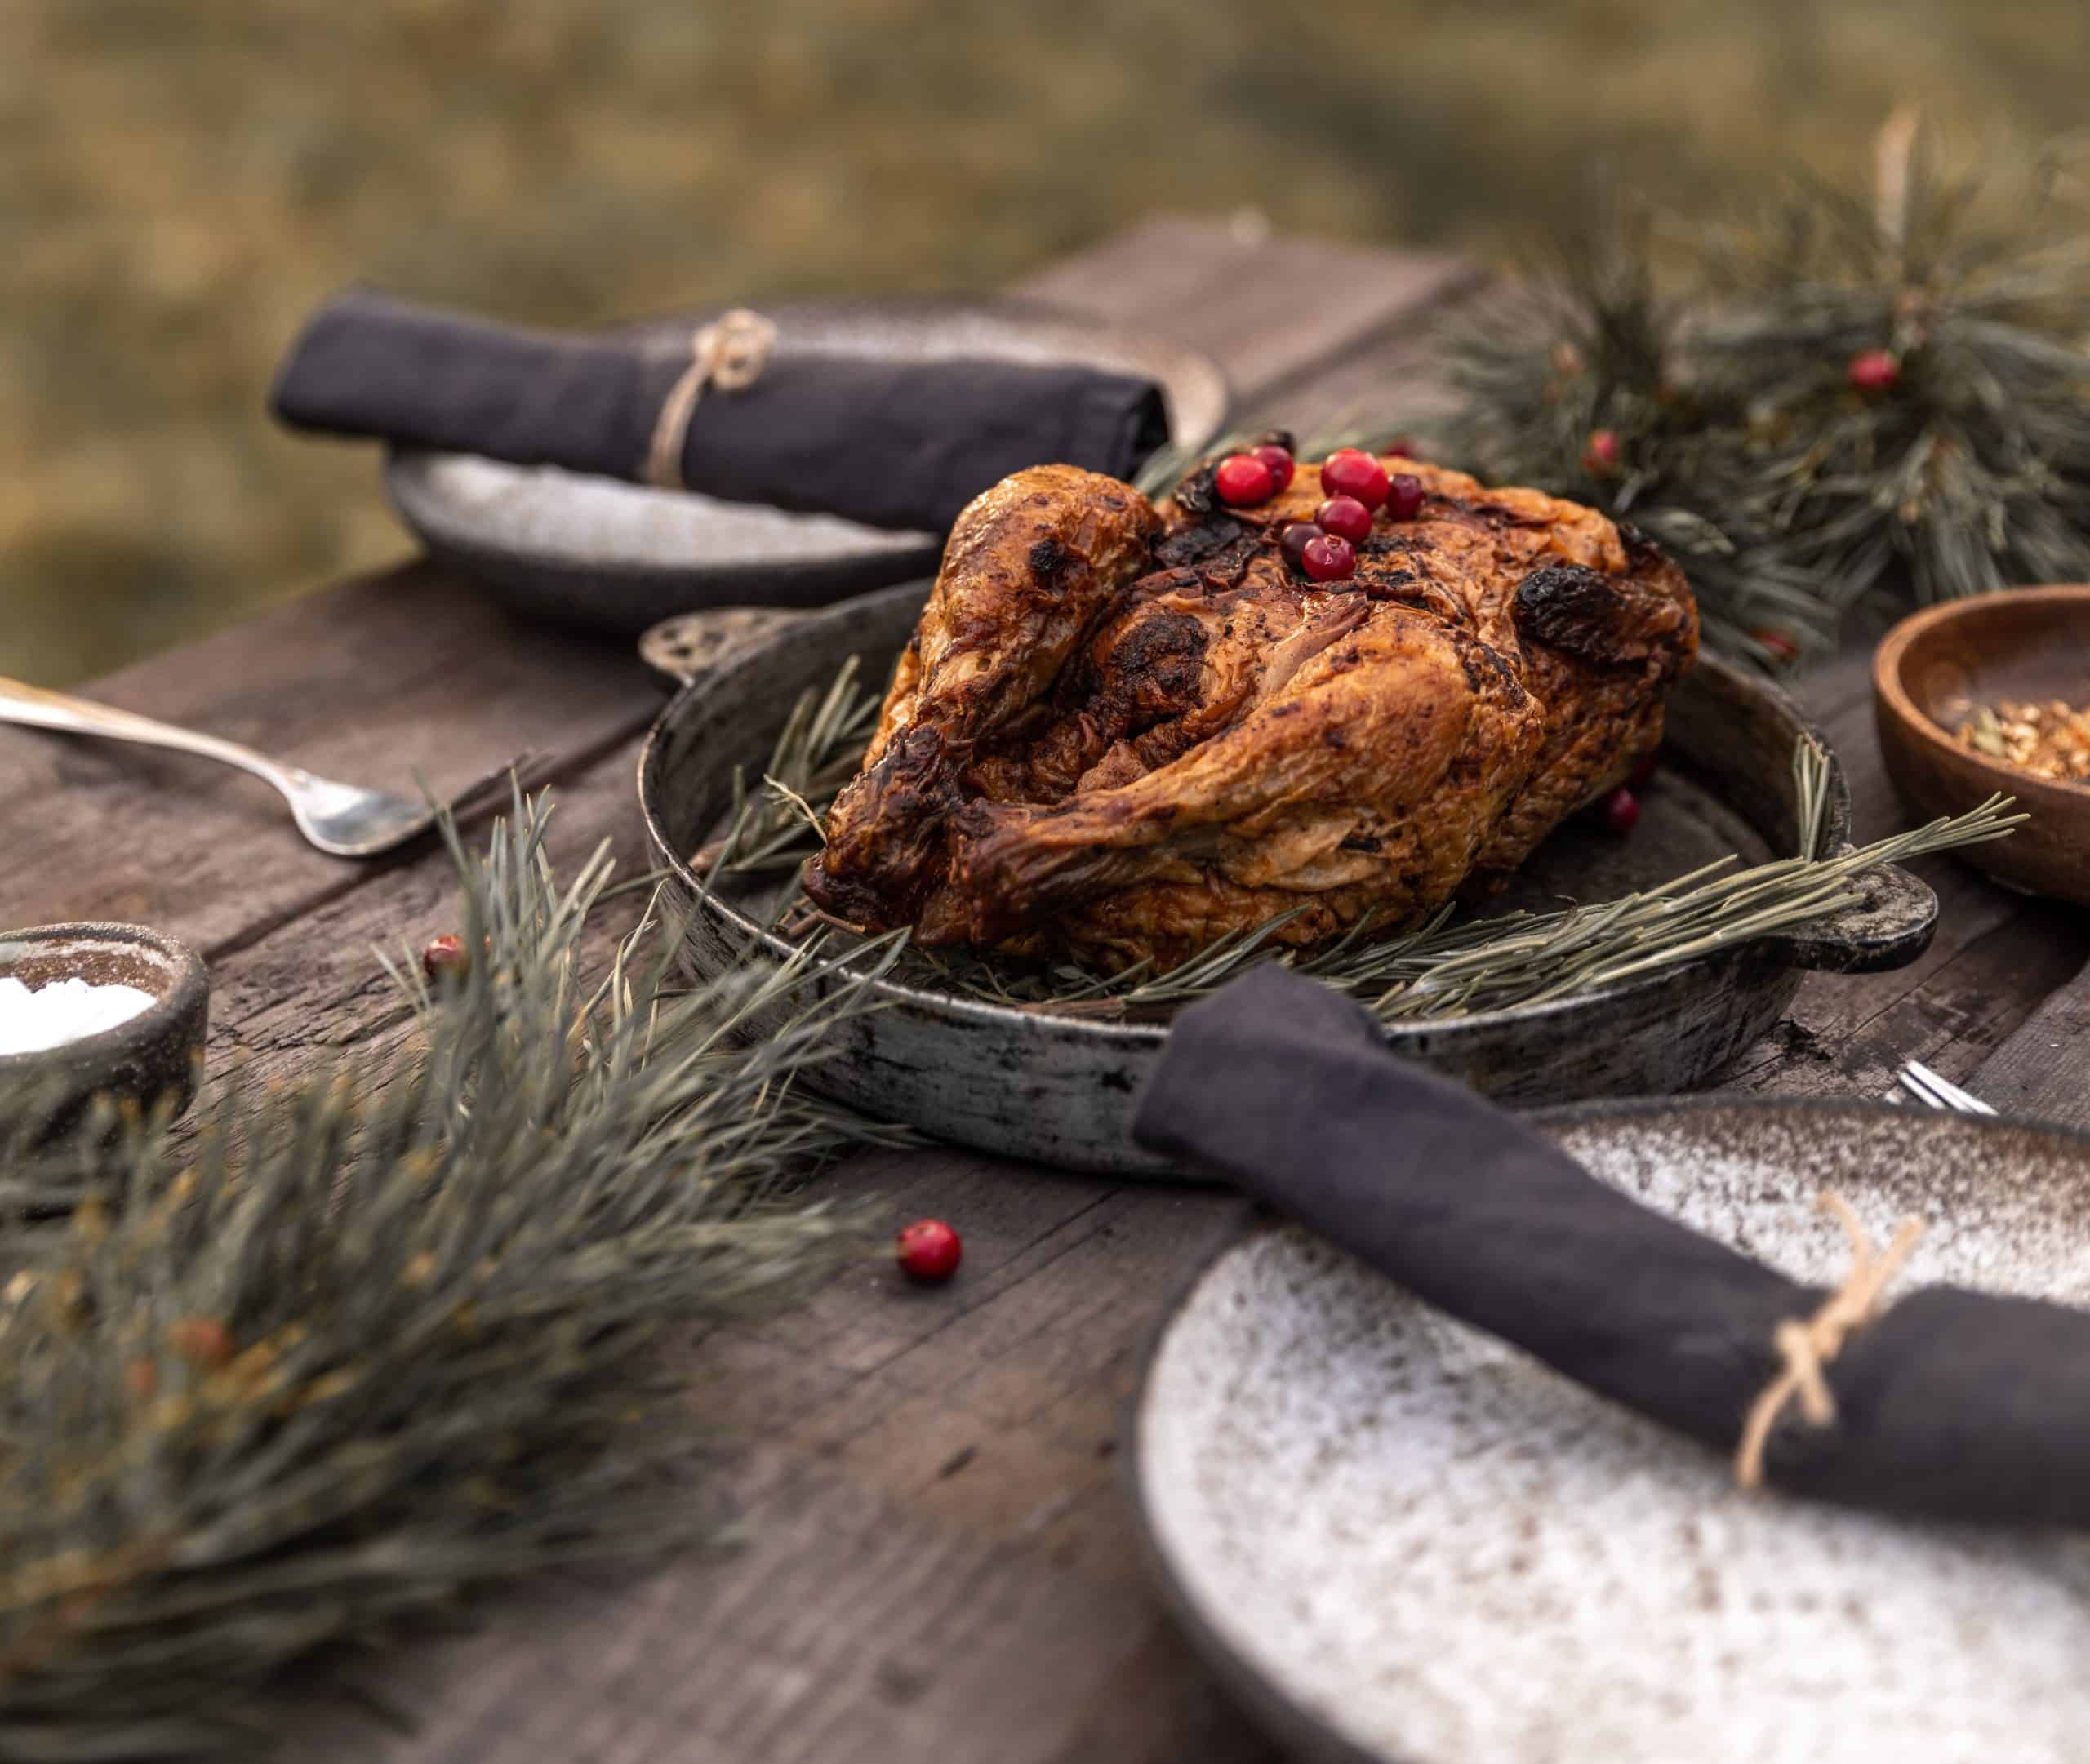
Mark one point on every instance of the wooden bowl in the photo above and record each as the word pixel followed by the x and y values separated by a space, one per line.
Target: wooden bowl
pixel 1935 668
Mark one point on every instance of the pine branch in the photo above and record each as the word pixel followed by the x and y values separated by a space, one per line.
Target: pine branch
pixel 392 1333
pixel 1449 967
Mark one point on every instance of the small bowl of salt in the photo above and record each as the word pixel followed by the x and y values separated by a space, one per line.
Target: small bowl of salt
pixel 94 1010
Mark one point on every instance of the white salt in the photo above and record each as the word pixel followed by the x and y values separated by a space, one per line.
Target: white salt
pixel 60 1011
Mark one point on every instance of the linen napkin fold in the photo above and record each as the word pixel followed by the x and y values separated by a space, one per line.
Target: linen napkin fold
pixel 1950 1403
pixel 887 441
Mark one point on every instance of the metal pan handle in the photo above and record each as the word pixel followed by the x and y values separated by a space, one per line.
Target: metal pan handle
pixel 693 643
pixel 1888 926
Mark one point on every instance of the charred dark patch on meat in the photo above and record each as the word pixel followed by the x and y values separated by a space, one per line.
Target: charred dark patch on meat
pixel 1160 661
pixel 909 798
pixel 1610 621
pixel 1366 842
pixel 1191 546
pixel 1049 561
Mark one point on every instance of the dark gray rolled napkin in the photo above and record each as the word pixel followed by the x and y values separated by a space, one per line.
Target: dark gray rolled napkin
pixel 890 442
pixel 1950 1403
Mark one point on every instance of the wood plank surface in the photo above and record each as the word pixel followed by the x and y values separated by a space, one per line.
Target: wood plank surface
pixel 938 1560
pixel 411 675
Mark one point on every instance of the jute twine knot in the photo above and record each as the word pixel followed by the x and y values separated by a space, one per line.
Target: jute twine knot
pixel 1809 1346
pixel 729 352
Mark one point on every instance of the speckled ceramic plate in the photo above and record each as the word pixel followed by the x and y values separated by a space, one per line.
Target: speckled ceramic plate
pixel 1401 1539
pixel 619 557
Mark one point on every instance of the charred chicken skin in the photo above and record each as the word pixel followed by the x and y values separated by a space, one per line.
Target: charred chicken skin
pixel 1122 732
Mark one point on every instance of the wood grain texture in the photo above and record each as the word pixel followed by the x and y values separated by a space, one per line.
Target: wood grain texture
pixel 409 676
pixel 2041 1070
pixel 938 1563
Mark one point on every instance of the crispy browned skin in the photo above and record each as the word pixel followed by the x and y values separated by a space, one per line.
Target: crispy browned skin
pixel 1031 564
pixel 1124 735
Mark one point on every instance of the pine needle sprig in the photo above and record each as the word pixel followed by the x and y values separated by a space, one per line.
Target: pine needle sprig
pixel 392 1333
pixel 1450 966
pixel 1852 396
pixel 818 752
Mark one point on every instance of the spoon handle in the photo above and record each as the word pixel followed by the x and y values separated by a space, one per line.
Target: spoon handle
pixel 40 708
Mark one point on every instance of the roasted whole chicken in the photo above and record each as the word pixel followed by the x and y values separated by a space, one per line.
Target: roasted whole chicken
pixel 1122 732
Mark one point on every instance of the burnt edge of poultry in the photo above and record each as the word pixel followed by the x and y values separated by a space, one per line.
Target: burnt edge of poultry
pixel 1612 621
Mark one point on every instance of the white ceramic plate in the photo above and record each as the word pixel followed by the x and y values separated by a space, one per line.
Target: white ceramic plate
pixel 1402 1539
pixel 621 557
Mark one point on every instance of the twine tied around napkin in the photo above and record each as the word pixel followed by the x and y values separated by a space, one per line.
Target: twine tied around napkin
pixel 1808 1346
pixel 729 352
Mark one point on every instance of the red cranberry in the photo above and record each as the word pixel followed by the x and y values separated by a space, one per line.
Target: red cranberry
pixel 1600 453
pixel 1404 497
pixel 1329 559
pixel 1873 370
pixel 1621 811
pixel 1344 517
pixel 1778 643
pixel 1293 541
pixel 1279 460
pixel 928 1250
pixel 445 957
pixel 1643 774
pixel 1352 472
pixel 1242 480
pixel 202 1341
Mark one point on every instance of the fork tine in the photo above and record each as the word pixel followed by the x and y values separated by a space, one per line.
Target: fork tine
pixel 1910 1078
pixel 1947 1093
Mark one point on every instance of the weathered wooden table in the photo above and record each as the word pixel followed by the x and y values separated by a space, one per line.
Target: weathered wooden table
pixel 939 1563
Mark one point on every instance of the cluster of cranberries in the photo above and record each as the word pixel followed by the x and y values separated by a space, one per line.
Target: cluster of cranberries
pixel 1325 548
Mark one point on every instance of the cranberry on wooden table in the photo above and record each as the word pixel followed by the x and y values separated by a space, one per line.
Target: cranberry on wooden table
pixel 446 957
pixel 928 1251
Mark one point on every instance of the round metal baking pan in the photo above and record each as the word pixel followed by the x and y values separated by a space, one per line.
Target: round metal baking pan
pixel 1060 1089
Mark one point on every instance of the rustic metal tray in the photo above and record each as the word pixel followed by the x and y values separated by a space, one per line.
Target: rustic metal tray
pixel 1060 1089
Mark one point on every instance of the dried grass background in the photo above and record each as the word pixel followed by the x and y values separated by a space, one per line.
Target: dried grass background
pixel 181 181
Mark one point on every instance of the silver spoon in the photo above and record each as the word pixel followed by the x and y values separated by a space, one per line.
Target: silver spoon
pixel 339 818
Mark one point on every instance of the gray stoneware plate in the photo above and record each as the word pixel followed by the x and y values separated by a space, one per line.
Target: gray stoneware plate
pixel 1399 1538
pixel 619 557
pixel 1060 1089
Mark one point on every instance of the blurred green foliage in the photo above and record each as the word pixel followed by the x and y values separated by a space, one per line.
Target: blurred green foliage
pixel 181 180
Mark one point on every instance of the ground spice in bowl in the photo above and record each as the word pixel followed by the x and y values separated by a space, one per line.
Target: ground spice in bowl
pixel 2050 740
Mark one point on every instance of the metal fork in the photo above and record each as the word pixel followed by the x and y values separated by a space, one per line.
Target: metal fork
pixel 1928 1087
pixel 342 820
